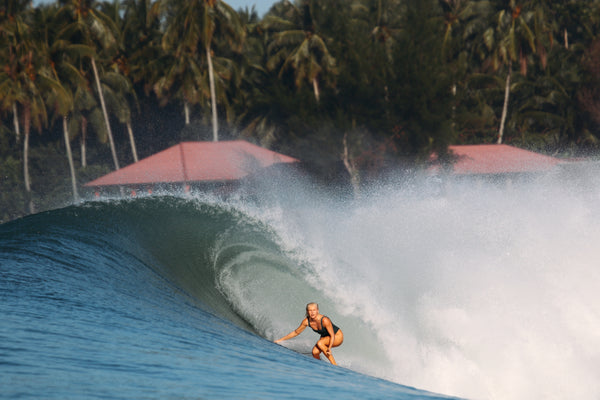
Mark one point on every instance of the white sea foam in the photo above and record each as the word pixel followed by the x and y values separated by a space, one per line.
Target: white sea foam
pixel 483 291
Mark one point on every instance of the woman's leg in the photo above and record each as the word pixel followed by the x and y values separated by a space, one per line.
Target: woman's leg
pixel 316 352
pixel 322 346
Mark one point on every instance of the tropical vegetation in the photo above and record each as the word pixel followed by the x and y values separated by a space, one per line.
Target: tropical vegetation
pixel 354 87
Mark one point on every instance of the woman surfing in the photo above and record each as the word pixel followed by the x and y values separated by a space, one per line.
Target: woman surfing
pixel 331 335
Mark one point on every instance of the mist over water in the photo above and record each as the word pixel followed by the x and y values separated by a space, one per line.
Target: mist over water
pixel 481 290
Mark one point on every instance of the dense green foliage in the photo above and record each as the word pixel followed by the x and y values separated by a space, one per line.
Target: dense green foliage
pixel 361 85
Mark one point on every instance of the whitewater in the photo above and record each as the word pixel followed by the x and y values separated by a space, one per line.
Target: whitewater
pixel 472 289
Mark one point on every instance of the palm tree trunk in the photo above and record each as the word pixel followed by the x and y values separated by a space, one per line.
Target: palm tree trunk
pixel 26 177
pixel 132 141
pixel 26 161
pixel 316 88
pixel 70 157
pixel 453 122
pixel 186 112
pixel 16 122
pixel 213 96
pixel 108 130
pixel 351 168
pixel 83 142
pixel 504 108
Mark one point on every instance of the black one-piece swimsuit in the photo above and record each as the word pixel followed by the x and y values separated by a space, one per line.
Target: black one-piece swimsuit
pixel 323 331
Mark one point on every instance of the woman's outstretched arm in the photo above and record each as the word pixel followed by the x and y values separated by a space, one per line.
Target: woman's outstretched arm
pixel 295 332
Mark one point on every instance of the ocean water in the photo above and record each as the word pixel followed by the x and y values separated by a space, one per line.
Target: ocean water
pixel 471 290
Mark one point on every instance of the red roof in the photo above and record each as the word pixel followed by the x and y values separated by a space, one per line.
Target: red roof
pixel 497 159
pixel 196 162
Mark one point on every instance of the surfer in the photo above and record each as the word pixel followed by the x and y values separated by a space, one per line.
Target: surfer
pixel 324 327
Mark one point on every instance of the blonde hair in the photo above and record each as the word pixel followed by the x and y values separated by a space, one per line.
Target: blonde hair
pixel 311 304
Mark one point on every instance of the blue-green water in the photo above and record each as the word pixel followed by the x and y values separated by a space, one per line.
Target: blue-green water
pixel 478 292
pixel 121 299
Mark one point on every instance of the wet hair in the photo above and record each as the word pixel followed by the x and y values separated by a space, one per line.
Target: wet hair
pixel 311 304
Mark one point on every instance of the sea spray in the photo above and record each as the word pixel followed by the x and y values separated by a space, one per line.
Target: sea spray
pixel 472 289
pixel 481 289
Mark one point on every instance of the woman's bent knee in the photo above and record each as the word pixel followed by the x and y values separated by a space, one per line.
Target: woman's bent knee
pixel 323 343
pixel 316 352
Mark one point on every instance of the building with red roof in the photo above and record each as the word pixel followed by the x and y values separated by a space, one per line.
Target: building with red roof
pixel 188 163
pixel 223 165
pixel 494 160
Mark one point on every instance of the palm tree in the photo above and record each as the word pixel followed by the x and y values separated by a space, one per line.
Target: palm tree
pixel 61 100
pixel 119 94
pixel 464 23
pixel 219 17
pixel 298 45
pixel 12 28
pixel 142 42
pixel 86 113
pixel 182 79
pixel 190 31
pixel 117 81
pixel 93 30
pixel 21 79
pixel 518 33
pixel 59 96
pixel 64 63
